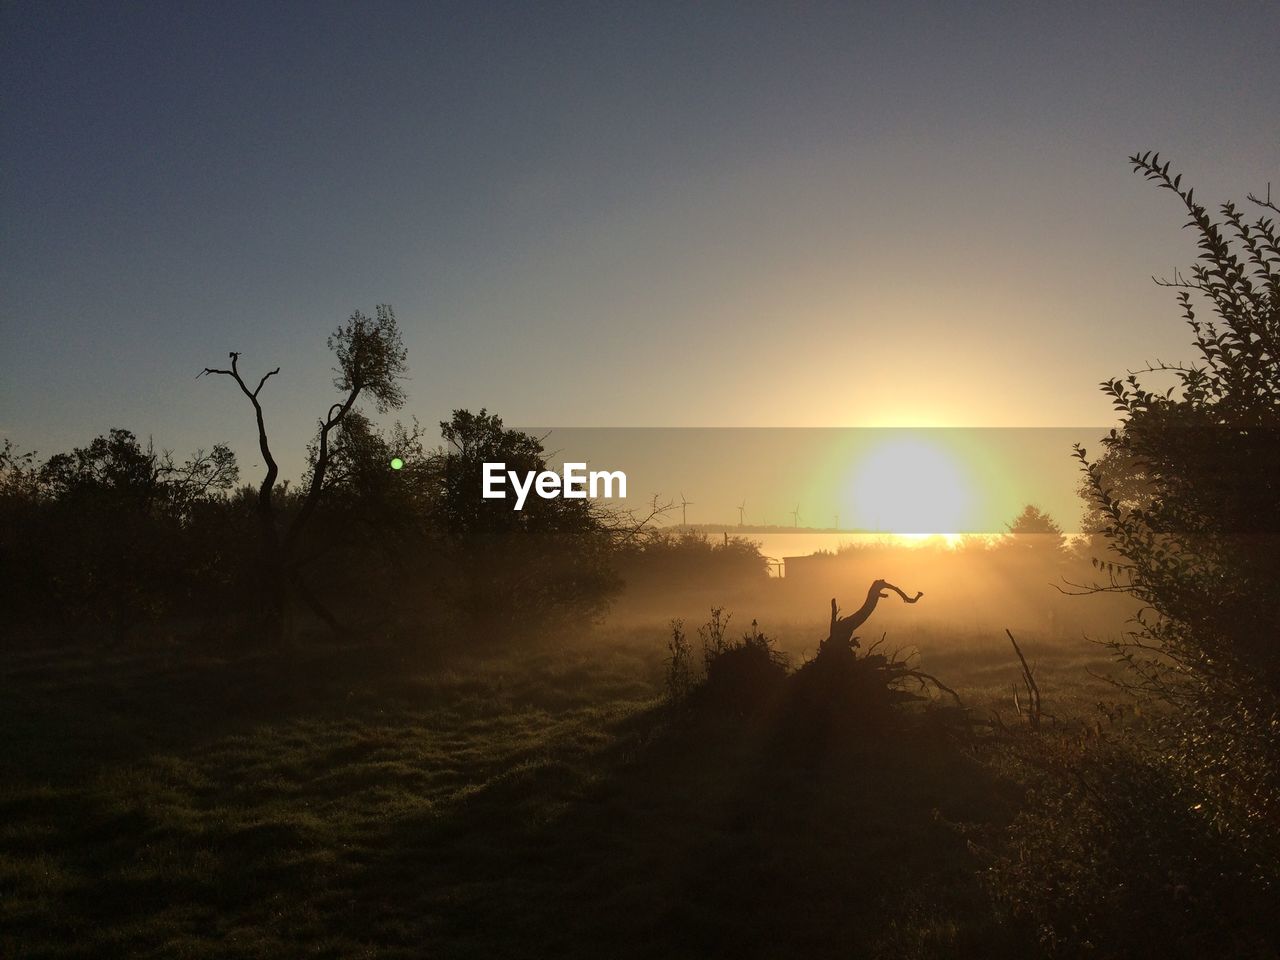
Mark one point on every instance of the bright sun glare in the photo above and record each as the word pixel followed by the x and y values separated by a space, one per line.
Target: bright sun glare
pixel 910 487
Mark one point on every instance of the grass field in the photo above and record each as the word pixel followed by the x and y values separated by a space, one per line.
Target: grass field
pixel 382 801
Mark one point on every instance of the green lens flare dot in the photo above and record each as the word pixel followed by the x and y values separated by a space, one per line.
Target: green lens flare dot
pixel 396 463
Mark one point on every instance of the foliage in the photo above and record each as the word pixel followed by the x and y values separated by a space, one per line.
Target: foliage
pixel 375 529
pixel 660 561
pixel 517 570
pixel 118 533
pixel 473 439
pixel 1172 820
pixel 1128 487
pixel 1200 547
pixel 100 532
pixel 371 358
pixel 842 694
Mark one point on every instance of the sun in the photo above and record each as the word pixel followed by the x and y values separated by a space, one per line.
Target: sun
pixel 908 485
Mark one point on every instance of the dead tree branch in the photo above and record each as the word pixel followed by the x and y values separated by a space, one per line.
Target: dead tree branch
pixel 266 509
pixel 841 633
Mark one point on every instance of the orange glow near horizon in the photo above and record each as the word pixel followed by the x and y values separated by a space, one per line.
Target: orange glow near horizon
pixel 951 540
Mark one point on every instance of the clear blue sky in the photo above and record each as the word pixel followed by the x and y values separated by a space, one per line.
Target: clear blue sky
pixel 597 214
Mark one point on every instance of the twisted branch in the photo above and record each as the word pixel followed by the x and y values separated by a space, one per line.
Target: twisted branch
pixel 842 627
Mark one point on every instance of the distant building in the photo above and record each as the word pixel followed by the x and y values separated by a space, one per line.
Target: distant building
pixel 806 566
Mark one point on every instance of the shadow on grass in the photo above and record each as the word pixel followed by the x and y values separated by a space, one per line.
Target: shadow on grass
pixel 702 836
pixel 353 804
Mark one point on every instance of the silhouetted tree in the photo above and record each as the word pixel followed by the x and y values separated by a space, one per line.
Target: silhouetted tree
pixel 1033 520
pixel 375 538
pixel 371 363
pixel 473 439
pixel 552 559
pixel 1034 535
pixel 101 533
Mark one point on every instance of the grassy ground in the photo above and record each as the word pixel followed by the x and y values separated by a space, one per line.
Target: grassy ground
pixel 365 802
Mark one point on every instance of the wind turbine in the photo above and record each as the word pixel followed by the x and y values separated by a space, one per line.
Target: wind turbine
pixel 795 516
pixel 742 512
pixel 684 510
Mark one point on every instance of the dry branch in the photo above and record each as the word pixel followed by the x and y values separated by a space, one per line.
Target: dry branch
pixel 1033 712
pixel 842 628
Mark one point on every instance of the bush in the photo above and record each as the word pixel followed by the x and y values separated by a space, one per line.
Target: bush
pixel 1196 535
pixel 749 673
pixel 1109 859
pixel 1161 841
pixel 836 695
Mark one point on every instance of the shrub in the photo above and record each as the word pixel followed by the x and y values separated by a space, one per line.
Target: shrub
pixel 1196 539
pixel 749 672
pixel 1161 841
pixel 679 672
pixel 1109 859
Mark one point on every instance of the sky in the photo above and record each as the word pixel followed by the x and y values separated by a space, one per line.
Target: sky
pixel 713 215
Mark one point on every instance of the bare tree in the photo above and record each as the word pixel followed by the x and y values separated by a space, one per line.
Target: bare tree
pixel 266 512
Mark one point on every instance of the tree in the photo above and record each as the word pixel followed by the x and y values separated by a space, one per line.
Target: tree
pixel 519 569
pixel 1034 535
pixel 474 439
pixel 1033 520
pixel 371 363
pixel 1195 530
pixel 375 533
pixel 101 532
